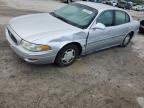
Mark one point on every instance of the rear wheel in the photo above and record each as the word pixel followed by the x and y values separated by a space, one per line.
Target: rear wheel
pixel 67 55
pixel 127 40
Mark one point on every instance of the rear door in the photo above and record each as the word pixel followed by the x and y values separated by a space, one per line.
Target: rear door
pixel 121 24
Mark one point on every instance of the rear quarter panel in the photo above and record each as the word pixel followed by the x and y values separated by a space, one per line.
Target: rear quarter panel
pixel 135 26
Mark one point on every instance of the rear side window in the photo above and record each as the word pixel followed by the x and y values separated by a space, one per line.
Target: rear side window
pixel 127 18
pixel 106 18
pixel 121 17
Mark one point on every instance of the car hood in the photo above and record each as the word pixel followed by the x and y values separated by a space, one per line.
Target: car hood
pixel 39 26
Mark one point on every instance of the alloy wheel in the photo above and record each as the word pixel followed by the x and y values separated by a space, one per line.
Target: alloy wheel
pixel 68 56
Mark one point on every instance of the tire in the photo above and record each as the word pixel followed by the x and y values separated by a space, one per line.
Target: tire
pixel 126 40
pixel 141 30
pixel 67 55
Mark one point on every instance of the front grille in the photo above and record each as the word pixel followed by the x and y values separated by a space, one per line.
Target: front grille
pixel 12 37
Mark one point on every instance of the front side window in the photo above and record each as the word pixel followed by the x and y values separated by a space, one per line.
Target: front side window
pixel 106 18
pixel 121 18
pixel 76 14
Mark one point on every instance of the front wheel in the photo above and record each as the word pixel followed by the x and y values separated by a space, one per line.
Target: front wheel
pixel 67 55
pixel 126 40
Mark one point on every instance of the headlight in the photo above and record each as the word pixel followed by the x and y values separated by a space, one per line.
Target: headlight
pixel 34 47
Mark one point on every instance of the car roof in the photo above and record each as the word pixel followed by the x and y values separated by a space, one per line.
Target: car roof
pixel 98 6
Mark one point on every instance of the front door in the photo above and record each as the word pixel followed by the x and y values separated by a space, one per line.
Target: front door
pixel 100 39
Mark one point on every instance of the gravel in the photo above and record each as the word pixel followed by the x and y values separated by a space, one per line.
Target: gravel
pixel 113 78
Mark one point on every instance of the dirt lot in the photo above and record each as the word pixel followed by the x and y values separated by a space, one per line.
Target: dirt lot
pixel 113 78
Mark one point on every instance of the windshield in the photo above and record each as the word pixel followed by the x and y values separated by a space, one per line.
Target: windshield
pixel 76 14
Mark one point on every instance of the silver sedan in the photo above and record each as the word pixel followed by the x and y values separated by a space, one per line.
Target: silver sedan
pixel 63 35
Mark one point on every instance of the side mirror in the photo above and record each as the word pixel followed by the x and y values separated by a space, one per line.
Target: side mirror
pixel 99 26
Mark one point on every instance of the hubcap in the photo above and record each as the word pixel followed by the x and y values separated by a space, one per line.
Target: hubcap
pixel 68 56
pixel 127 39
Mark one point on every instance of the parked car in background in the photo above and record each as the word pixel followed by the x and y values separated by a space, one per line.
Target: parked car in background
pixel 142 26
pixel 92 0
pixel 138 7
pixel 114 2
pixel 124 5
pixel 69 1
pixel 111 2
pixel 67 33
pixel 104 1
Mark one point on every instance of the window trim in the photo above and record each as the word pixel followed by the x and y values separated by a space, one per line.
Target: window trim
pixel 112 18
pixel 114 11
pixel 125 17
pixel 128 16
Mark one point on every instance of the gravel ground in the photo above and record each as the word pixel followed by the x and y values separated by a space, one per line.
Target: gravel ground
pixel 112 78
pixel 38 5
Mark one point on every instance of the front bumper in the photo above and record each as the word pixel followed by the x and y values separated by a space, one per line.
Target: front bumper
pixel 31 57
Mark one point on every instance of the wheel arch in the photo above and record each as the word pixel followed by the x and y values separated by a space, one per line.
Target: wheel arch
pixel 130 32
pixel 131 35
pixel 71 43
pixel 76 44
